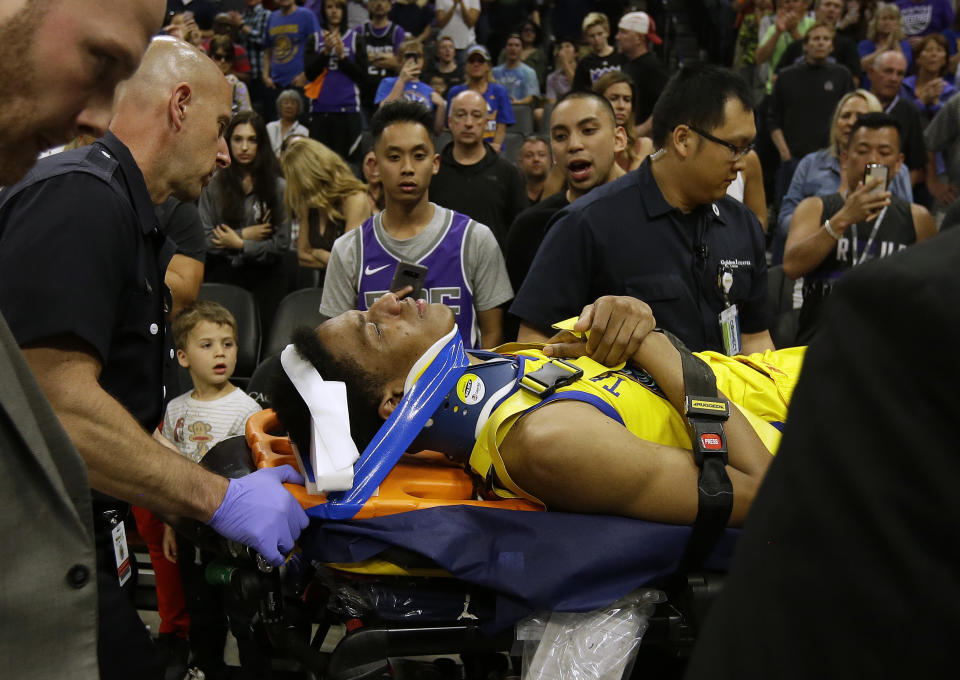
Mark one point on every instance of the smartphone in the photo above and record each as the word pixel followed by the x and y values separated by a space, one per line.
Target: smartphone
pixel 407 274
pixel 876 171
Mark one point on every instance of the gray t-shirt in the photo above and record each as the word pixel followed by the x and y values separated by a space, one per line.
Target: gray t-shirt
pixel 483 262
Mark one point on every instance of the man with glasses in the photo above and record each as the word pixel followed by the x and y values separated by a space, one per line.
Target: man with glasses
pixel 666 233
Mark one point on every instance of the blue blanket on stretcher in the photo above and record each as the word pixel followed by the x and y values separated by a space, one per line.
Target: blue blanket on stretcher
pixel 534 561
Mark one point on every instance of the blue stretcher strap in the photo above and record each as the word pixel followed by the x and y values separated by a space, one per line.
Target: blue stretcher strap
pixel 419 402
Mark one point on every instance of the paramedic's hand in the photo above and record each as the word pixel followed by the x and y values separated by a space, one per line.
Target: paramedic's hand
pixel 257 511
pixel 617 326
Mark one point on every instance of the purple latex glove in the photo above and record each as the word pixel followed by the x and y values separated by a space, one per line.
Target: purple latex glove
pixel 257 511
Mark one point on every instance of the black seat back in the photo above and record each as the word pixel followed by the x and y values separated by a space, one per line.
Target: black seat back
pixel 299 308
pixel 243 306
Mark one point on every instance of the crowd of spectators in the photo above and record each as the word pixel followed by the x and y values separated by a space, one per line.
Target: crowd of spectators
pixel 492 72
pixel 542 154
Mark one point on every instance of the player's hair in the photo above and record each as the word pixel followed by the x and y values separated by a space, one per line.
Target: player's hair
pixel 400 111
pixel 197 312
pixel 875 121
pixel 362 393
pixel 696 96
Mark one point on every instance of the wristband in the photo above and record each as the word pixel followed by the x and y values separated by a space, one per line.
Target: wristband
pixel 829 230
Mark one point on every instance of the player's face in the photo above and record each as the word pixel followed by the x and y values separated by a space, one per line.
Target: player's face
pixel 406 161
pixel 585 142
pixel 210 354
pixel 880 145
pixel 60 65
pixel 387 339
pixel 714 165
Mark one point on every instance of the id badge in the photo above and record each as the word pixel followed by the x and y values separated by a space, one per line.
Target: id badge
pixel 730 330
pixel 122 553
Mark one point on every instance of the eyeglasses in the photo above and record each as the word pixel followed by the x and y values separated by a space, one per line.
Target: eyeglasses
pixel 476 59
pixel 736 152
pixel 220 57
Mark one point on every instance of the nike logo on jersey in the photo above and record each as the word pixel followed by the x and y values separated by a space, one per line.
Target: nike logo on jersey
pixel 370 272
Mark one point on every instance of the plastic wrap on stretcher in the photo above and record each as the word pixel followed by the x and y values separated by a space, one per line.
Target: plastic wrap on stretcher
pixel 597 645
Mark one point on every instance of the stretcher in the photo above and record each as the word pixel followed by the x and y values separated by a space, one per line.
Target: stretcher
pixel 458 586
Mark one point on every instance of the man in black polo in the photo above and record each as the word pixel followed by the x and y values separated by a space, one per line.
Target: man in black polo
pixel 83 293
pixel 666 233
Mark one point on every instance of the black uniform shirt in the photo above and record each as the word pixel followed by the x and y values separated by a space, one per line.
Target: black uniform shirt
pixel 81 255
pixel 623 238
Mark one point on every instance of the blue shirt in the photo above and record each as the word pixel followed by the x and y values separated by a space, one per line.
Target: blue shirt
pixel 499 108
pixel 520 82
pixel 414 91
pixel 287 37
pixel 818 174
pixel 927 112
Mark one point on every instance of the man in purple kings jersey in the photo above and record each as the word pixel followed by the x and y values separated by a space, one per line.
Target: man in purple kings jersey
pixel 466 270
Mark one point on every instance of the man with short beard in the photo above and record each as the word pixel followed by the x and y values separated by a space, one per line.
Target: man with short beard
pixel 51 90
pixel 83 292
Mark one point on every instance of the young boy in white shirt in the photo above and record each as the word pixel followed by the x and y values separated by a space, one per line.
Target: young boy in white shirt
pixel 206 337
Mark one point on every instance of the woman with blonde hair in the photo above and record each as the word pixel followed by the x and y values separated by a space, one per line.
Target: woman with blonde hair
pixel 325 196
pixel 820 173
pixel 884 33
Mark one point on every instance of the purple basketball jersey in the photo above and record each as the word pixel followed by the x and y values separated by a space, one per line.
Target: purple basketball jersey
pixel 445 282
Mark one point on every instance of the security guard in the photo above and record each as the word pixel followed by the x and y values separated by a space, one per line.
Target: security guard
pixel 666 233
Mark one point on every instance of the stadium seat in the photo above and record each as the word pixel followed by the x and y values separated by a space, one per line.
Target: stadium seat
pixel 512 144
pixel 442 140
pixel 784 308
pixel 243 306
pixel 299 308
pixel 259 386
pixel 524 117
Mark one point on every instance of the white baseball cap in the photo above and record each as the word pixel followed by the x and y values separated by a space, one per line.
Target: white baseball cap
pixel 640 22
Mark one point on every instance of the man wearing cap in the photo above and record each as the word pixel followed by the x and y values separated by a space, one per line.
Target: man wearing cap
pixel 499 108
pixel 637 31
